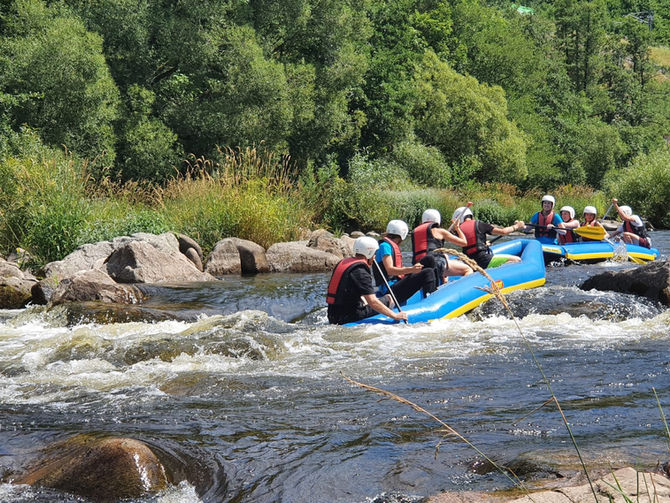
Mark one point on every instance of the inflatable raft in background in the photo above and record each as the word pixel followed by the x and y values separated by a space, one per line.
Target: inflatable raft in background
pixel 598 251
pixel 462 294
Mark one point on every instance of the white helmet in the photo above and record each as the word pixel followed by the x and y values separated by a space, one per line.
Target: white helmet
pixel 461 213
pixel 570 210
pixel 397 227
pixel 626 210
pixel 431 216
pixel 590 209
pixel 549 198
pixel 366 246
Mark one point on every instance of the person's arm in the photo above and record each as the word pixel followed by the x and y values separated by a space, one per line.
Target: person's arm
pixel 378 306
pixel 622 215
pixel 458 240
pixel 572 224
pixel 502 231
pixel 392 270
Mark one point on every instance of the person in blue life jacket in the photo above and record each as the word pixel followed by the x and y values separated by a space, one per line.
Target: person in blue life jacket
pixel 569 223
pixel 477 246
pixel 404 281
pixel 428 237
pixel 591 220
pixel 632 227
pixel 546 221
pixel 351 292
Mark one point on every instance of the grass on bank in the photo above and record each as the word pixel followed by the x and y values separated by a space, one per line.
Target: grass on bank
pixel 49 204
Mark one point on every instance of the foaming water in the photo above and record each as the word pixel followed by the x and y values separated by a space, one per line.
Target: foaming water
pixel 252 404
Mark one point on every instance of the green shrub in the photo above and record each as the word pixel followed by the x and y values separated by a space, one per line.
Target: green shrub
pixel 645 186
pixel 43 204
pixel 424 164
pixel 110 218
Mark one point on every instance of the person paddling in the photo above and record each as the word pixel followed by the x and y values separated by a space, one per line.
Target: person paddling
pixel 546 221
pixel 591 220
pixel 569 223
pixel 429 236
pixel 477 247
pixel 351 294
pixel 632 228
pixel 403 281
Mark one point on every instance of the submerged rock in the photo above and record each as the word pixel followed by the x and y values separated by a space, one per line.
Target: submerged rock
pixel 95 285
pixel 625 484
pixel 102 469
pixel 650 280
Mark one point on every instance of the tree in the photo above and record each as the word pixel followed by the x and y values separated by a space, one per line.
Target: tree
pixel 468 122
pixel 49 56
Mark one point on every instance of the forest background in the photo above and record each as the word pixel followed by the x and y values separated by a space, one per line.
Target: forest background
pixel 263 118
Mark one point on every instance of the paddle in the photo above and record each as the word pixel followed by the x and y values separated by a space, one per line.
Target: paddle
pixel 388 287
pixel 595 233
pixel 458 217
pixel 607 212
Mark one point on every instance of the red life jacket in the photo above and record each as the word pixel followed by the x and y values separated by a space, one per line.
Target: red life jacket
pixel 423 241
pixel 397 258
pixel 639 231
pixel 473 245
pixel 568 237
pixel 345 265
pixel 544 221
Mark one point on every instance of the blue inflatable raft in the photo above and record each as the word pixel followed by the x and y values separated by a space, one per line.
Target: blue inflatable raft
pixel 596 251
pixel 462 294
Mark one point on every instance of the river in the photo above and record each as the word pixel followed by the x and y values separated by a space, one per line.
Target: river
pixel 243 394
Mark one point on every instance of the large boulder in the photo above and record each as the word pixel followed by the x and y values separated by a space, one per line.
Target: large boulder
pixel 93 256
pixel 651 280
pixel 86 257
pixel 323 240
pixel 236 256
pixel 94 285
pixel 101 469
pixel 144 262
pixel 296 256
pixel 15 286
pixel 191 249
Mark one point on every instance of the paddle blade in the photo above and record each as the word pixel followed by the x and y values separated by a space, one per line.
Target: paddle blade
pixel 597 233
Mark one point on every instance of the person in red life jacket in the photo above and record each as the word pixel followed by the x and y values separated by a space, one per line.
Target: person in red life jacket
pixel 569 223
pixel 351 293
pixel 632 227
pixel 477 247
pixel 429 236
pixel 404 281
pixel 590 220
pixel 546 221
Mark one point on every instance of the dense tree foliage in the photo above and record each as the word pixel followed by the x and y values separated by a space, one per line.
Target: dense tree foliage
pixel 447 91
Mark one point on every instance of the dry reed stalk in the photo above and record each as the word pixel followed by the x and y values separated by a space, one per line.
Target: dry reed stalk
pixel 450 431
pixel 495 290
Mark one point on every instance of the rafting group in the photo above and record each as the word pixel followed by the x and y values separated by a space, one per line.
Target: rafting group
pixel 374 286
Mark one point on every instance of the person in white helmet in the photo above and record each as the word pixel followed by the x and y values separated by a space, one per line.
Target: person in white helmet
pixel 632 227
pixel 569 223
pixel 591 220
pixel 546 220
pixel 351 293
pixel 477 246
pixel 404 281
pixel 429 236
